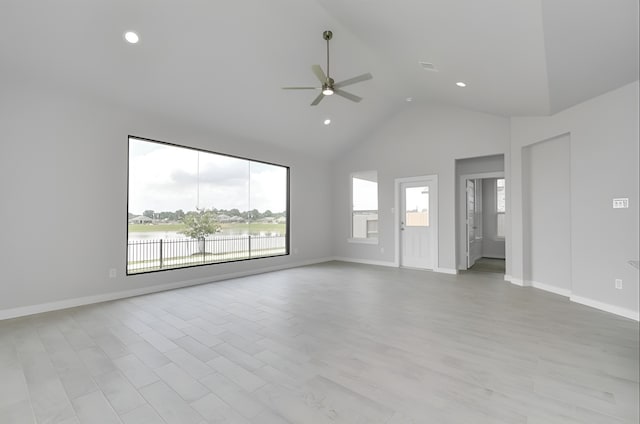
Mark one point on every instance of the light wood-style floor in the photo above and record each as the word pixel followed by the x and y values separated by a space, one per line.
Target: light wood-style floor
pixel 329 343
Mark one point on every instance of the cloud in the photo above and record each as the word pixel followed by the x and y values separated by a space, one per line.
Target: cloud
pixel 167 178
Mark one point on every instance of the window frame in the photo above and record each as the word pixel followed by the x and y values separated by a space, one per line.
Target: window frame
pixel 166 143
pixel 360 176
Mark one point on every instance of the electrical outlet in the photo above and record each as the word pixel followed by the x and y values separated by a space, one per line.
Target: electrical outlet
pixel 113 273
pixel 618 284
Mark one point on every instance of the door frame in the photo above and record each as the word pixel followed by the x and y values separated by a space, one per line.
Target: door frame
pixel 461 251
pixel 433 214
pixel 475 182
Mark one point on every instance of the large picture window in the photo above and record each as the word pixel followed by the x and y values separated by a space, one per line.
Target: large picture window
pixel 189 207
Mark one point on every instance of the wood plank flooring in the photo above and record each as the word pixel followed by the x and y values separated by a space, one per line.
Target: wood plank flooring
pixel 329 343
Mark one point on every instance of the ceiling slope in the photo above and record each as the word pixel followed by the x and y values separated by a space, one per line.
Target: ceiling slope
pixel 221 65
pixel 591 47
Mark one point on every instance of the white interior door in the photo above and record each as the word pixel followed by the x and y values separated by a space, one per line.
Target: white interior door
pixel 416 231
pixel 474 221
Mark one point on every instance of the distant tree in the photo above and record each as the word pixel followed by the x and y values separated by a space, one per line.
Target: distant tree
pixel 267 214
pixel 234 212
pixel 199 225
pixel 148 213
pixel 179 215
pixel 167 216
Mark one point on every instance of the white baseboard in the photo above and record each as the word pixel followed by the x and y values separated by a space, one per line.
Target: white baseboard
pixel 517 281
pixel 450 271
pixel 623 312
pixel 70 303
pixel 88 300
pixel 616 310
pixel 365 261
pixel 390 264
pixel 549 288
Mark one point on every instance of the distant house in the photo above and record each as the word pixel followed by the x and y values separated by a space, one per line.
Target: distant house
pixel 140 220
pixel 223 218
pixel 282 220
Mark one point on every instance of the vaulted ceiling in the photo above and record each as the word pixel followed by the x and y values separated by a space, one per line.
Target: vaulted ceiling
pixel 221 64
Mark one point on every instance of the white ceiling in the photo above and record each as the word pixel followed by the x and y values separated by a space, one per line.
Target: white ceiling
pixel 220 64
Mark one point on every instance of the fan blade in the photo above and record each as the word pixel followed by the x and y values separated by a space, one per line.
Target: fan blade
pixel 301 88
pixel 346 95
pixel 363 77
pixel 317 100
pixel 319 73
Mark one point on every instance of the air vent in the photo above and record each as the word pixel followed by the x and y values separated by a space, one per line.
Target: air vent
pixel 428 66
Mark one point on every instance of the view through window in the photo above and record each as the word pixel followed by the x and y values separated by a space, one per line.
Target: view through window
pixel 500 206
pixel 364 212
pixel 189 207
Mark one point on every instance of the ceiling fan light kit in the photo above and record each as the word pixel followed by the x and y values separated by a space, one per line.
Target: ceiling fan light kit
pixel 328 85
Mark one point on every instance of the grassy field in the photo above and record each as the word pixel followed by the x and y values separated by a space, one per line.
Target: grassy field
pixel 145 228
pixel 227 228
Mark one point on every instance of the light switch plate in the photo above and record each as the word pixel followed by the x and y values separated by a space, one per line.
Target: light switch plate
pixel 621 203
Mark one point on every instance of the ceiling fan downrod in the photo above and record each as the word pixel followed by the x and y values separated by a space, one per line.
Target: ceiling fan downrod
pixel 328 35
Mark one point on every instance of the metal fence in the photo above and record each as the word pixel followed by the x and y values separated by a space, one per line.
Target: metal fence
pixel 153 255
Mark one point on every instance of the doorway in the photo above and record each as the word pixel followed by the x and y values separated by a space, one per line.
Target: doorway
pixel 417 222
pixel 482 222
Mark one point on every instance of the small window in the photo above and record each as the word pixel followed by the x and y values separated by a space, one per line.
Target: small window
pixel 416 207
pixel 364 206
pixel 500 207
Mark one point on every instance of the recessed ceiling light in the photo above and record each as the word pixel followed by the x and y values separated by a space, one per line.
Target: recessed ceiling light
pixel 131 37
pixel 327 121
pixel 461 84
pixel 409 99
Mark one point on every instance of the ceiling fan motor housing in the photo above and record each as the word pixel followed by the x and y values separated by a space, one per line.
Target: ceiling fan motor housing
pixel 327 35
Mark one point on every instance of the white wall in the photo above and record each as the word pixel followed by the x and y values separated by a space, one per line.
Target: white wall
pixel 492 246
pixel 480 165
pixel 604 165
pixel 63 177
pixel 546 172
pixel 419 140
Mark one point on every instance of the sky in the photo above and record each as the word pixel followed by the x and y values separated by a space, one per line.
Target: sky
pixel 417 199
pixel 168 178
pixel 365 195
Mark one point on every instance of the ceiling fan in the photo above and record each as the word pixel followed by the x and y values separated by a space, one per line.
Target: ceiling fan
pixel 329 86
